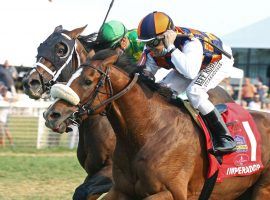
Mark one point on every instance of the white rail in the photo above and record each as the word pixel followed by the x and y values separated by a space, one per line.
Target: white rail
pixel 27 126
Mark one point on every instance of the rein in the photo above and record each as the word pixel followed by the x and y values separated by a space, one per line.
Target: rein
pixel 86 109
pixel 117 96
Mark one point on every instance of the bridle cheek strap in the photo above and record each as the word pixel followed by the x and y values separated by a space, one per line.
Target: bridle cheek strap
pixel 57 73
pixel 67 62
pixel 114 97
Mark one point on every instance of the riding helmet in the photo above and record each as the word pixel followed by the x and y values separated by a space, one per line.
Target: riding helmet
pixel 112 32
pixel 154 24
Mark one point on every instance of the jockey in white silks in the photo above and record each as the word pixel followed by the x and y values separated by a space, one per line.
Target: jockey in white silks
pixel 199 62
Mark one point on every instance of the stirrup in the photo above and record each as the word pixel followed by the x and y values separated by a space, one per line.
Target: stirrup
pixel 217 152
pixel 225 151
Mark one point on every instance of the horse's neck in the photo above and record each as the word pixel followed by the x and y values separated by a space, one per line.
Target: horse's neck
pixel 79 55
pixel 81 52
pixel 134 112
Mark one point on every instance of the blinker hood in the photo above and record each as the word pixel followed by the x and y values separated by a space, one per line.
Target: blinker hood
pixel 47 49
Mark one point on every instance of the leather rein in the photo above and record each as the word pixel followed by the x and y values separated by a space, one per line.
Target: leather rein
pixel 88 108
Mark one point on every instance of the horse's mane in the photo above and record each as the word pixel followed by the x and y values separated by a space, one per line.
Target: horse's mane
pixel 88 41
pixel 126 64
pixel 92 41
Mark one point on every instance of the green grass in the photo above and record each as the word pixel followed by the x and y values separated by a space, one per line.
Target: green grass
pixel 39 176
pixel 26 173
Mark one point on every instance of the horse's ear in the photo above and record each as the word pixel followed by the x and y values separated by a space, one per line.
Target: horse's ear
pixel 76 32
pixel 58 28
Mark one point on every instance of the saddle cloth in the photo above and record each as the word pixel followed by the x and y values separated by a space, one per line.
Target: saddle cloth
pixel 246 160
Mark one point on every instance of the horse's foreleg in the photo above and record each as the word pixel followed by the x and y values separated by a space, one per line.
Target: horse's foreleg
pixel 165 195
pixel 97 184
pixel 262 187
pixel 81 153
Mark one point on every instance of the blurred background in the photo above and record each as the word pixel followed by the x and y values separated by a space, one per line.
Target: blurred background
pixel 36 163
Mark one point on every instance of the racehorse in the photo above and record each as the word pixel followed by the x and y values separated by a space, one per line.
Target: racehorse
pixel 58 57
pixel 160 152
pixel 96 146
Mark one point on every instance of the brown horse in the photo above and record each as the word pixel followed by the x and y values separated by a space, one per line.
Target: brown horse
pixel 160 152
pixel 96 136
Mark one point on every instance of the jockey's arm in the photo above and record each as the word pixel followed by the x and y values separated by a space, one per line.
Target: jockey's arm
pixel 188 61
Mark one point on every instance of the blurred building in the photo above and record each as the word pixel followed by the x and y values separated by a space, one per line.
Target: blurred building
pixel 251 49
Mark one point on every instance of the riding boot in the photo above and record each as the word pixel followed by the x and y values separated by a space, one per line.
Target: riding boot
pixel 221 137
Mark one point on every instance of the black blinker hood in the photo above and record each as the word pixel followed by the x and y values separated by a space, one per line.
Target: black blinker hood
pixel 47 49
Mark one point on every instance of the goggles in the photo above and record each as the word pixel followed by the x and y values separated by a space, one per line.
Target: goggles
pixel 153 43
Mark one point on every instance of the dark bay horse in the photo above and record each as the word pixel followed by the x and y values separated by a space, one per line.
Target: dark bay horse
pixel 58 58
pixel 160 152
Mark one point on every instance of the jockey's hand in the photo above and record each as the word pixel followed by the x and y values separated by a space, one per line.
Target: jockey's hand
pixel 124 43
pixel 146 75
pixel 169 38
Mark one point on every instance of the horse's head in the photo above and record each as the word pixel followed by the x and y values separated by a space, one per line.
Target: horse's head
pixel 85 93
pixel 54 61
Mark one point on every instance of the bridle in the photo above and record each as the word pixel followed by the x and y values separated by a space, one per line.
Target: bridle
pixel 65 61
pixel 88 108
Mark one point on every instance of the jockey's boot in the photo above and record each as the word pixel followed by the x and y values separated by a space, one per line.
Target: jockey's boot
pixel 222 140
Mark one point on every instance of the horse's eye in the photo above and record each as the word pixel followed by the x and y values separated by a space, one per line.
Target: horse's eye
pixel 61 52
pixel 88 82
pixel 61 49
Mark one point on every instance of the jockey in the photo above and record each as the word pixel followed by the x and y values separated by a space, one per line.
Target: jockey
pixel 194 55
pixel 114 34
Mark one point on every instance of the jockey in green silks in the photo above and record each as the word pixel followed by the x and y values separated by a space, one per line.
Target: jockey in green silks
pixel 113 34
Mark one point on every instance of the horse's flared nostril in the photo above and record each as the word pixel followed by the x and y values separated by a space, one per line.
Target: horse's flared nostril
pixel 35 83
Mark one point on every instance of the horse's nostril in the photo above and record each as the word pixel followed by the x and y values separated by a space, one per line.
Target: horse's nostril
pixel 35 83
pixel 55 115
pixel 25 84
